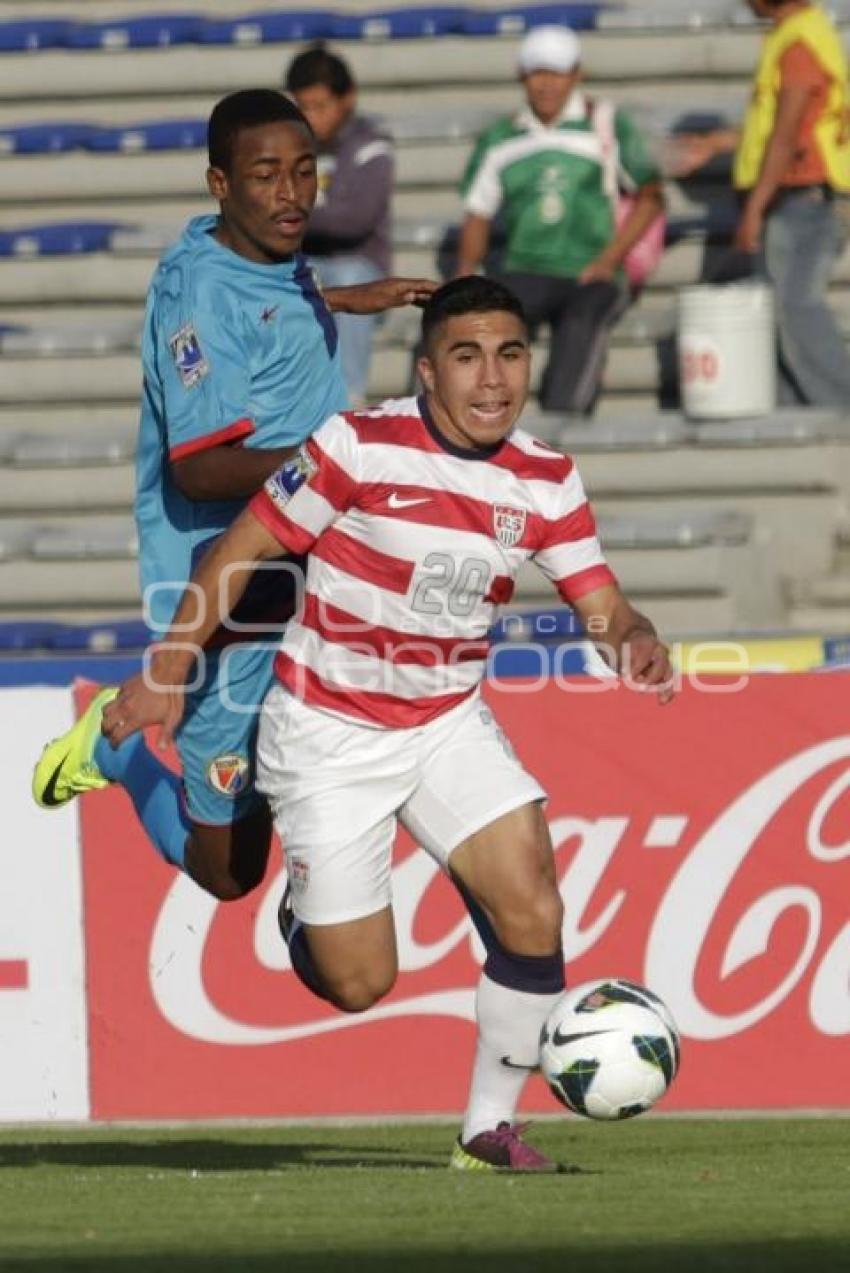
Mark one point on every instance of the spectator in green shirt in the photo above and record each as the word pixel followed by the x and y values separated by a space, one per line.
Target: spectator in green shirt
pixel 547 173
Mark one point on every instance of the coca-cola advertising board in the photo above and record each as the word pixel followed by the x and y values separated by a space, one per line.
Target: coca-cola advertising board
pixel 702 849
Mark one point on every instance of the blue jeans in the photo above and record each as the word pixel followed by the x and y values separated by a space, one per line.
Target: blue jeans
pixel 804 235
pixel 356 331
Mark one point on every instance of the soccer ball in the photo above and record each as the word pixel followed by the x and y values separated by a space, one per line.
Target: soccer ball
pixel 609 1049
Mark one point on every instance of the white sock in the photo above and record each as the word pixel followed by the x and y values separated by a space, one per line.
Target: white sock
pixel 509 1023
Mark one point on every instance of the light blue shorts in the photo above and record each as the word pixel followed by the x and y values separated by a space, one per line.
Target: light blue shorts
pixel 217 739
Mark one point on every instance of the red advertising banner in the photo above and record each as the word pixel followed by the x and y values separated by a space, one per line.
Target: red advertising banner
pixel 703 849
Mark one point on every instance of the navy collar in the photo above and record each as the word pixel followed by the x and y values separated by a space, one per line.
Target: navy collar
pixel 460 452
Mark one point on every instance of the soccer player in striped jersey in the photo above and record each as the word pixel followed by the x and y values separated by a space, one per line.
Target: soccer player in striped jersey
pixel 417 517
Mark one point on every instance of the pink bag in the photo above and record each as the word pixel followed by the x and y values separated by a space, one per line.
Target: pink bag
pixel 645 256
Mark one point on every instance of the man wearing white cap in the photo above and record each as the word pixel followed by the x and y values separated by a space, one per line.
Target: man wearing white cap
pixel 552 175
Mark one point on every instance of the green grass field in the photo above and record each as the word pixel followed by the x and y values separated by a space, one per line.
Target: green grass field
pixel 654 1194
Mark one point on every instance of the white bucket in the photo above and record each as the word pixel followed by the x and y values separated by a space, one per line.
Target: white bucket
pixel 727 351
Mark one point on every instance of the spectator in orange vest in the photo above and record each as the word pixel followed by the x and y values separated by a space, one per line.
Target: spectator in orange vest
pixel 792 171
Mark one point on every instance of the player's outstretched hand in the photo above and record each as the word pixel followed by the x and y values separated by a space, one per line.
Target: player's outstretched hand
pixel 384 293
pixel 648 665
pixel 141 702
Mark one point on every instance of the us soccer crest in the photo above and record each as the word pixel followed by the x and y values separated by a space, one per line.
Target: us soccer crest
pixel 283 484
pixel 229 775
pixel 508 524
pixel 188 355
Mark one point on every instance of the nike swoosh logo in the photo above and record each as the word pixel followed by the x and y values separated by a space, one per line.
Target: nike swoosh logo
pixel 395 501
pixel 560 1039
pixel 48 796
pixel 514 1065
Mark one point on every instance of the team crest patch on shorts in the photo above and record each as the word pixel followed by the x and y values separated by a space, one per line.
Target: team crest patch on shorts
pixel 283 484
pixel 229 775
pixel 188 355
pixel 298 872
pixel 508 524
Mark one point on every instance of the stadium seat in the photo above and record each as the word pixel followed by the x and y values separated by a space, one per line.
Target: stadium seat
pixel 122 634
pixel 95 337
pixel 167 134
pixel 15 539
pixel 39 451
pixel 682 531
pixel 671 14
pixel 33 34
pixel 635 432
pixel 443 125
pixel 268 27
pixel 581 17
pixel 151 31
pixel 538 625
pixel 394 24
pixel 801 426
pixel 58 239
pixel 115 540
pixel 27 635
pixel 43 139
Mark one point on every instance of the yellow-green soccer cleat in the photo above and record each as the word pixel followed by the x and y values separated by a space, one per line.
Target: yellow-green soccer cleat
pixel 66 767
pixel 501 1149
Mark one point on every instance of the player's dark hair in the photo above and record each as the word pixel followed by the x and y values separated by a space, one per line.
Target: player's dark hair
pixel 249 108
pixel 316 65
pixel 471 294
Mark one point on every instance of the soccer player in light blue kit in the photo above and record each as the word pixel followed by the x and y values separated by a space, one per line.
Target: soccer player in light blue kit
pixel 240 365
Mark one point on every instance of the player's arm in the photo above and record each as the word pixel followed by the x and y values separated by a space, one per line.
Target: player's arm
pixel 156 696
pixel 374 298
pixel 227 471
pixel 626 638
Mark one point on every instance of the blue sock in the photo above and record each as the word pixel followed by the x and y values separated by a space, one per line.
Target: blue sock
pixel 154 791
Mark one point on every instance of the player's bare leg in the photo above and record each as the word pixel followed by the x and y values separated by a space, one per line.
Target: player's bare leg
pixel 229 861
pixel 507 872
pixel 355 963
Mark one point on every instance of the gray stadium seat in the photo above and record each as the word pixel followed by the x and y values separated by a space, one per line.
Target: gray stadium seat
pixel 106 541
pixel 635 432
pixel 15 539
pixel 803 425
pixel 34 451
pixel 98 338
pixel 682 531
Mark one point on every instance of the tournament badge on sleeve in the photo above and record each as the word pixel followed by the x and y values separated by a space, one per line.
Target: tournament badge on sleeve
pixel 283 484
pixel 188 356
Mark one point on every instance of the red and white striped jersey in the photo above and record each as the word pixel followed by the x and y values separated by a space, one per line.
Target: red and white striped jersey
pixel 413 543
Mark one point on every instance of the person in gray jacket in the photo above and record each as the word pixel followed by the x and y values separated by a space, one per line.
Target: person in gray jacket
pixel 348 238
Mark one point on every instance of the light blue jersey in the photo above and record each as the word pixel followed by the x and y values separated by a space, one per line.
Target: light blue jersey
pixel 233 351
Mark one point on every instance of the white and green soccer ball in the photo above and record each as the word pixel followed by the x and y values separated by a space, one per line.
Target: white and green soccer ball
pixel 609 1049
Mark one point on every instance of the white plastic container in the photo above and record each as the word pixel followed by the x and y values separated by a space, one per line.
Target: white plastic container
pixel 727 351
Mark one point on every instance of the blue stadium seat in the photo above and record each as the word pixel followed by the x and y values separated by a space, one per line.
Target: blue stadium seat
pixel 152 31
pixel 36 33
pixel 383 24
pixel 121 634
pixel 27 634
pixel 581 17
pixel 62 239
pixel 167 134
pixel 538 625
pixel 268 27
pixel 36 634
pixel 43 139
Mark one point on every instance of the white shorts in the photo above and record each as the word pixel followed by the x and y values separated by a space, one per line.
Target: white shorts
pixel 337 789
